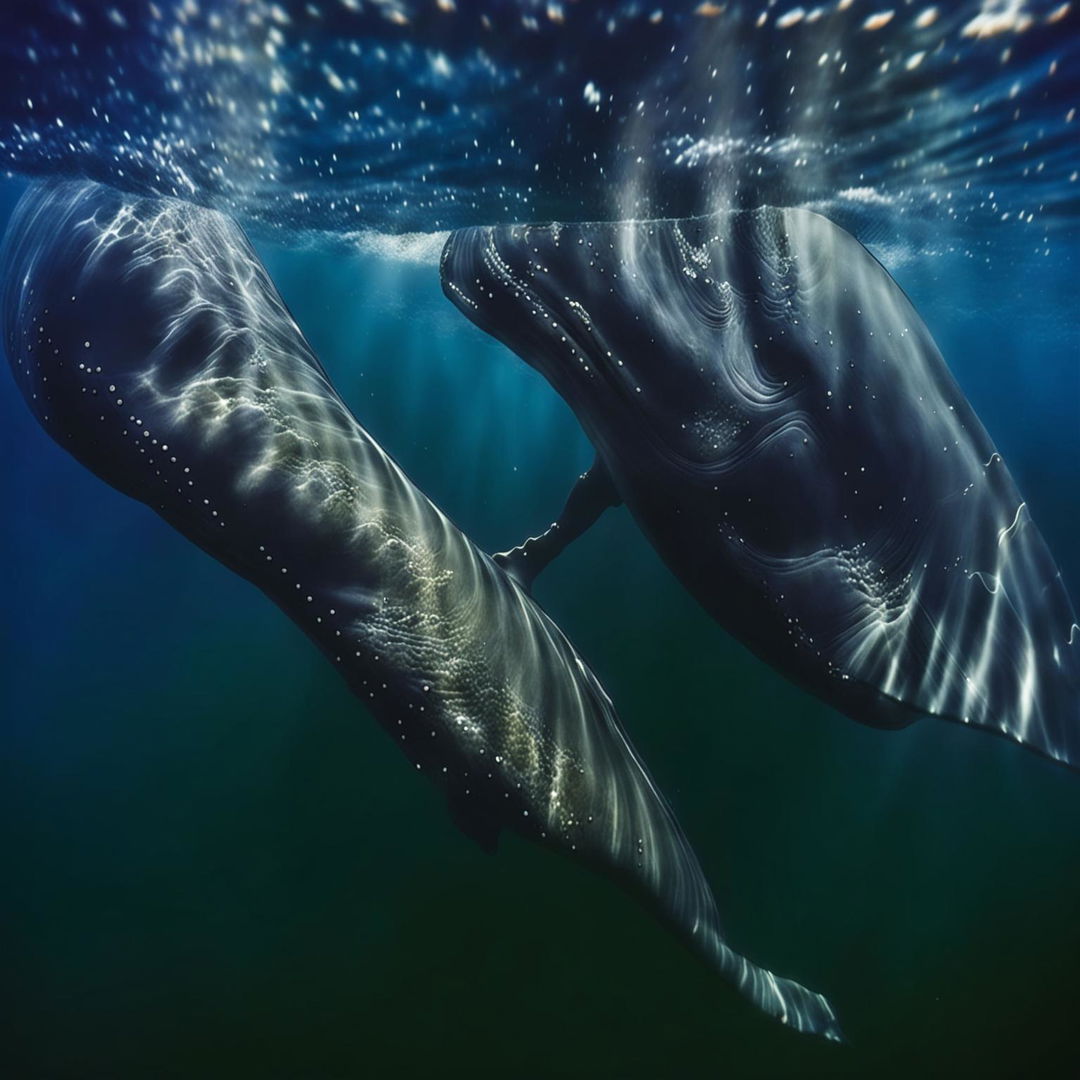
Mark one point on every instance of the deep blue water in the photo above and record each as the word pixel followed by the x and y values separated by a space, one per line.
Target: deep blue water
pixel 218 866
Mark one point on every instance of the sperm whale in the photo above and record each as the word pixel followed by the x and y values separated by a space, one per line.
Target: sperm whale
pixel 776 416
pixel 150 343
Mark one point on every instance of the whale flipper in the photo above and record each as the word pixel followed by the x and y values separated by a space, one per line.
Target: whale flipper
pixel 149 341
pixel 592 494
pixel 779 421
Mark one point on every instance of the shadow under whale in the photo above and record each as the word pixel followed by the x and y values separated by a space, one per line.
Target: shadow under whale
pixel 151 344
pixel 776 416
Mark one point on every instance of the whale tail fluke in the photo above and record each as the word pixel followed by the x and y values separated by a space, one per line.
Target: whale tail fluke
pixel 806 1010
pixel 793 1004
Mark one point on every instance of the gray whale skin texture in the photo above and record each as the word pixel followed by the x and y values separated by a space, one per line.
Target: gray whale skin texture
pixel 774 413
pixel 150 343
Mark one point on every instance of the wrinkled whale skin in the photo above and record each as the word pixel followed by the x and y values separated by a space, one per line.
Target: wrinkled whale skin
pixel 150 343
pixel 780 423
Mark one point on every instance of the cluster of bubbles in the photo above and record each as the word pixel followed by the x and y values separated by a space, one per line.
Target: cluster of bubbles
pixel 399 116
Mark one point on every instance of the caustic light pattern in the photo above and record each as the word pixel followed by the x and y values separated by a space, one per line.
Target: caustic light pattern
pixel 773 411
pixel 151 344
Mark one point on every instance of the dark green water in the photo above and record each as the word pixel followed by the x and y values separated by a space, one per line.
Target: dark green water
pixel 216 865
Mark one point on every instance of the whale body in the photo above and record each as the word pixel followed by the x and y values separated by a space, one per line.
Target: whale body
pixel 151 344
pixel 777 418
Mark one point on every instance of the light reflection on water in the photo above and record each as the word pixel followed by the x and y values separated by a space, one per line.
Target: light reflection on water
pixel 412 115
